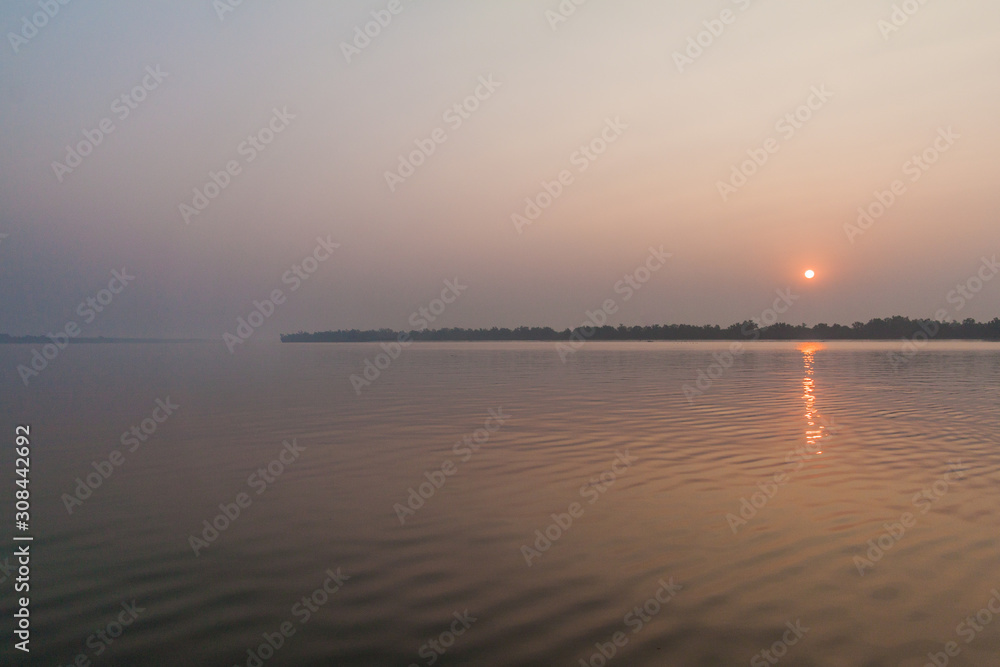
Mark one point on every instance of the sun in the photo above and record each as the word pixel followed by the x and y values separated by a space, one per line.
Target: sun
pixel 810 274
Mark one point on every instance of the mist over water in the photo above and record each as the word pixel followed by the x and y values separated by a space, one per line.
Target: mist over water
pixel 736 516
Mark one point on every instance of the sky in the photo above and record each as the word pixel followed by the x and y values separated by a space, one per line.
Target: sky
pixel 632 122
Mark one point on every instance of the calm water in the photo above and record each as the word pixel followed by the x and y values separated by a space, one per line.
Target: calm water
pixel 856 439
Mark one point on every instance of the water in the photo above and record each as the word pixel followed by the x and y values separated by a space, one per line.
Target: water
pixel 856 439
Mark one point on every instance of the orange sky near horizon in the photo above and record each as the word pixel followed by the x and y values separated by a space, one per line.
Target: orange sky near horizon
pixel 795 136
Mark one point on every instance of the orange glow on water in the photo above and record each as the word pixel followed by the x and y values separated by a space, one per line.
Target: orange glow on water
pixel 814 432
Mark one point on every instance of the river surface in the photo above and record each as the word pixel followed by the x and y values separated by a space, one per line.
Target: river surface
pixel 488 504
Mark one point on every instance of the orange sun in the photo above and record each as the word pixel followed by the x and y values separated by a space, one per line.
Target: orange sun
pixel 810 274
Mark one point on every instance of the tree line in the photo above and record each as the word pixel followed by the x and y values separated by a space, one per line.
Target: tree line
pixel 876 329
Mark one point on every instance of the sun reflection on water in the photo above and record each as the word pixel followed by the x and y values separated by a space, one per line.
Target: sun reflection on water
pixel 815 426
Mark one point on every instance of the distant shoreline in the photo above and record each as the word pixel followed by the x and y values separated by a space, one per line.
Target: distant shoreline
pixel 893 328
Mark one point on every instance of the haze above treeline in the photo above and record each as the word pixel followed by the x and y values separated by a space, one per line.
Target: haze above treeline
pixel 222 86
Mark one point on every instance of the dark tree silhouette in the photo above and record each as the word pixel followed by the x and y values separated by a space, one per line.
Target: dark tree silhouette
pixel 877 329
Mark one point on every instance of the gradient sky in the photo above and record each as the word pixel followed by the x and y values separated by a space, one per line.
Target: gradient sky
pixel 656 185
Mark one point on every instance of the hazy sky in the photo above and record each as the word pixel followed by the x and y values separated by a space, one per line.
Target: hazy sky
pixel 610 67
